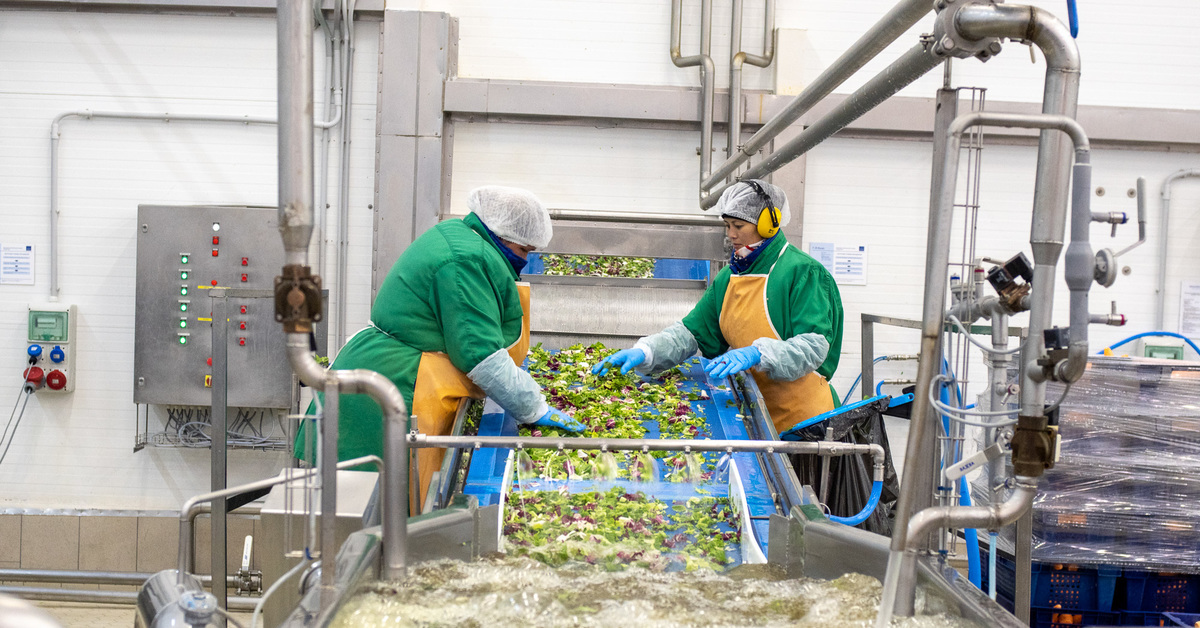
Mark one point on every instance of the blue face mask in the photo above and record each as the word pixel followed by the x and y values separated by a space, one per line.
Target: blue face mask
pixel 742 264
pixel 518 262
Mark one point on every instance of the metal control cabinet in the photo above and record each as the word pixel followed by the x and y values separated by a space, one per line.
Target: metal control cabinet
pixel 182 253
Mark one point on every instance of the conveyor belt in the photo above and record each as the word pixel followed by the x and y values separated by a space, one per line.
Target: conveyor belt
pixel 486 476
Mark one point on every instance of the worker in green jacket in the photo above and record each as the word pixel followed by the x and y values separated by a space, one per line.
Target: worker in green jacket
pixel 450 321
pixel 773 310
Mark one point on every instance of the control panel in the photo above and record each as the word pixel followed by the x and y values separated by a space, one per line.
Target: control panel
pixel 183 253
pixel 50 348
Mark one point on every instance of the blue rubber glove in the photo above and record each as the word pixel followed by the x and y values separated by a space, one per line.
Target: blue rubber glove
pixel 625 358
pixel 563 421
pixel 733 362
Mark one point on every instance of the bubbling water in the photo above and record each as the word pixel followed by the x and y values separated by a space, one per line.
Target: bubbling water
pixel 506 591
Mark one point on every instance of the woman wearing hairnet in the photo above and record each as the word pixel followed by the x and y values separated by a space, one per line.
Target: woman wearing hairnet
pixel 773 310
pixel 451 321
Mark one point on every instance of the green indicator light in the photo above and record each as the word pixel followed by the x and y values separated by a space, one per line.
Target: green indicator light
pixel 183 340
pixel 183 291
pixel 183 259
pixel 183 274
pixel 183 307
pixel 183 322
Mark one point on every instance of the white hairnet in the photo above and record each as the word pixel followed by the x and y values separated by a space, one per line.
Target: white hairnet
pixel 743 202
pixel 513 214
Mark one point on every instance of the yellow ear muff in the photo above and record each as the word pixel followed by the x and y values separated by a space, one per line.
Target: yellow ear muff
pixel 768 222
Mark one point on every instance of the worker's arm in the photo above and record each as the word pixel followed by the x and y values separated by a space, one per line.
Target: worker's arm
pixel 816 314
pixel 467 305
pixel 666 348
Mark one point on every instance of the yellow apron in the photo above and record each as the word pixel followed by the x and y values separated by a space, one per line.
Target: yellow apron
pixel 439 388
pixel 744 319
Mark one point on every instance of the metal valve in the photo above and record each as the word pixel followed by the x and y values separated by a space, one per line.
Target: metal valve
pixel 1105 271
pixel 1113 318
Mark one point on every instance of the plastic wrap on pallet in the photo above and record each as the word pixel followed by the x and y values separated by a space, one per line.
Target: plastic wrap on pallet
pixel 1125 489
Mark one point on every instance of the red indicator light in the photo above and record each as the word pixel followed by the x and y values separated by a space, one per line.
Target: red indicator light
pixel 243 276
pixel 216 240
pixel 214 282
pixel 243 324
pixel 243 309
pixel 210 361
pixel 245 261
pixel 242 341
pixel 215 252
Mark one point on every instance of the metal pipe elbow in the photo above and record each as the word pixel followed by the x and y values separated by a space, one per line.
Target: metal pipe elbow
pixel 1023 23
pixel 990 517
pixel 301 359
pixel 1072 368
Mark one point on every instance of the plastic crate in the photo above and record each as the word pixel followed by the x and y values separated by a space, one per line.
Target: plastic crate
pixel 1041 617
pixel 1189 620
pixel 1162 592
pixel 1069 586
pixel 1142 618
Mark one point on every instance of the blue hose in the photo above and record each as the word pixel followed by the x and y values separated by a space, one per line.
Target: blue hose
pixel 879 388
pixel 1169 334
pixel 971 535
pixel 1073 17
pixel 846 399
pixel 872 502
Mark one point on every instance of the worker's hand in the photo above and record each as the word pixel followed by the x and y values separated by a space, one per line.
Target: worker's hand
pixel 563 421
pixel 733 362
pixel 625 358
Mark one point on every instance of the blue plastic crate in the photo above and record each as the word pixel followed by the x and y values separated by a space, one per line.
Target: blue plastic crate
pixel 1162 592
pixel 1142 618
pixel 1085 588
pixel 1190 620
pixel 1041 617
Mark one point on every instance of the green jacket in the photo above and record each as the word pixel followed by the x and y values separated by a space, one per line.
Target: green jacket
pixel 451 291
pixel 802 298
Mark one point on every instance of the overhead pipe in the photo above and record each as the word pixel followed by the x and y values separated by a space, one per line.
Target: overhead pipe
pixel 92 596
pixel 914 64
pixel 297 292
pixel 1164 225
pixel 900 598
pixel 740 57
pixel 707 73
pixel 343 245
pixel 887 30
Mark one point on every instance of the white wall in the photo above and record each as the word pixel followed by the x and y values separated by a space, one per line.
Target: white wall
pixel 76 450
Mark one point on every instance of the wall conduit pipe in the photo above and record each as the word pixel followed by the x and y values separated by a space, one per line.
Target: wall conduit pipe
pixel 936 261
pixel 887 30
pixel 56 133
pixel 1164 225
pixel 707 73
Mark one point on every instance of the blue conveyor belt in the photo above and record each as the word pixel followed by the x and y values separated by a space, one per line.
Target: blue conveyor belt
pixel 722 421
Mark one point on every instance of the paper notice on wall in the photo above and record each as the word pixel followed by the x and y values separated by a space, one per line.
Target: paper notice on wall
pixel 16 264
pixel 1189 309
pixel 846 262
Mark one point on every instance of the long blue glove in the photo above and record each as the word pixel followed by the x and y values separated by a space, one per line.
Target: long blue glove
pixel 625 358
pixel 563 421
pixel 733 362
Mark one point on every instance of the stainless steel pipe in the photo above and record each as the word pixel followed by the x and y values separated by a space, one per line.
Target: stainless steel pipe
pixel 992 517
pixel 124 578
pixel 936 261
pixel 820 448
pixel 737 59
pixel 295 227
pixel 191 507
pixel 887 30
pixel 708 74
pixel 1060 97
pixel 93 596
pixel 909 67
